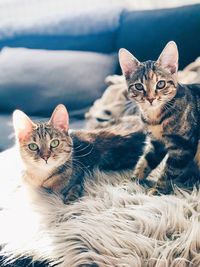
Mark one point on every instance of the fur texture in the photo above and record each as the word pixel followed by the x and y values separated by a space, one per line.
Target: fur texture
pixel 45 148
pixel 115 98
pixel 58 160
pixel 171 114
pixel 115 224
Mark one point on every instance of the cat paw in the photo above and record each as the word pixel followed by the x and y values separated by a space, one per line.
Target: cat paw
pixel 147 183
pixel 164 188
pixel 138 176
pixel 153 191
pixel 150 187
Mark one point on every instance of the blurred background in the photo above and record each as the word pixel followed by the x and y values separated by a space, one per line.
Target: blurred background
pixel 61 51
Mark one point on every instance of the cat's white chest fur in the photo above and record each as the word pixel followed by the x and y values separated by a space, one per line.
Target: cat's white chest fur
pixel 36 176
pixel 152 114
pixel 156 130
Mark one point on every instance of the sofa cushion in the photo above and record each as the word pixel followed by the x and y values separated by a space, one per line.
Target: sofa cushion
pixel 61 25
pixel 145 33
pixel 37 80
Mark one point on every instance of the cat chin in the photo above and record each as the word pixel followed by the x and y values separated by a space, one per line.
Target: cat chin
pixel 151 107
pixel 42 166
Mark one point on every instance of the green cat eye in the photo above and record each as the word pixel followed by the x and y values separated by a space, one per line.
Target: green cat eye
pixel 139 86
pixel 161 84
pixel 54 143
pixel 33 146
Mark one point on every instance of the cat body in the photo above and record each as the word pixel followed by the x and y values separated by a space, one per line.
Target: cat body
pixel 58 160
pixel 171 115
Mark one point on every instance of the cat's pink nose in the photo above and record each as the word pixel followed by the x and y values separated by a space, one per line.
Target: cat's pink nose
pixel 45 157
pixel 151 99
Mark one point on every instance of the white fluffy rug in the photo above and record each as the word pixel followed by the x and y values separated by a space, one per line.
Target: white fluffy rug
pixel 115 224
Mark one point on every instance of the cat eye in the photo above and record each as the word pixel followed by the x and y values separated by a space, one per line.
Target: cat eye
pixel 161 84
pixel 33 146
pixel 139 86
pixel 54 143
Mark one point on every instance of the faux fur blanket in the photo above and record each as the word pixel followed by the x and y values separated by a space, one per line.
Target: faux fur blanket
pixel 115 224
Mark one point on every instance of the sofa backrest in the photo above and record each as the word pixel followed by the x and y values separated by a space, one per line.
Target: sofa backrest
pixel 61 25
pixel 146 32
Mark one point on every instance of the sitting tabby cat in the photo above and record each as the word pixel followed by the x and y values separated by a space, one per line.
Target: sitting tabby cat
pixel 58 161
pixel 171 114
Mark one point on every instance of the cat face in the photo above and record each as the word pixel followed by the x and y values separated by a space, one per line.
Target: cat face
pixel 151 83
pixel 43 146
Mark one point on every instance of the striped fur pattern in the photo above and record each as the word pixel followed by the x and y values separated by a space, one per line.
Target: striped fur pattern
pixel 45 149
pixel 61 168
pixel 115 224
pixel 171 114
pixel 59 157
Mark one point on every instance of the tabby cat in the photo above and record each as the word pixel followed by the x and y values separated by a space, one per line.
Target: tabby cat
pixel 58 161
pixel 171 114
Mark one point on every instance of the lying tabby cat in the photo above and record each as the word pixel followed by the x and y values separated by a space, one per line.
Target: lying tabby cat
pixel 58 161
pixel 171 114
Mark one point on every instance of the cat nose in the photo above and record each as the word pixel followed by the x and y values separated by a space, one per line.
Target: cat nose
pixel 45 157
pixel 151 99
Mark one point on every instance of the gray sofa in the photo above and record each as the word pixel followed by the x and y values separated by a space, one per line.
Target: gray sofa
pixel 66 61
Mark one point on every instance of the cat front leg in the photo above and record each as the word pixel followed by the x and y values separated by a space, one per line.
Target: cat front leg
pixel 142 168
pixel 153 154
pixel 158 171
pixel 175 165
pixel 154 178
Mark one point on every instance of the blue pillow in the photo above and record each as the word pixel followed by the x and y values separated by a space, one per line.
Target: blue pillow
pixel 87 28
pixel 145 33
pixel 37 80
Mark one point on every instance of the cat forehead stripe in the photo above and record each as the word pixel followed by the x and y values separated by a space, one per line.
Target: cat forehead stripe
pixel 42 130
pixel 147 70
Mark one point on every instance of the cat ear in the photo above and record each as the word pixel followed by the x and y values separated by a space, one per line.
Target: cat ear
pixel 128 62
pixel 168 59
pixel 60 118
pixel 23 125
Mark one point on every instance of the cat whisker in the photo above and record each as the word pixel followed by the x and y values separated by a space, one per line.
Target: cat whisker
pixel 80 165
pixel 81 156
pixel 82 149
pixel 84 169
pixel 68 164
